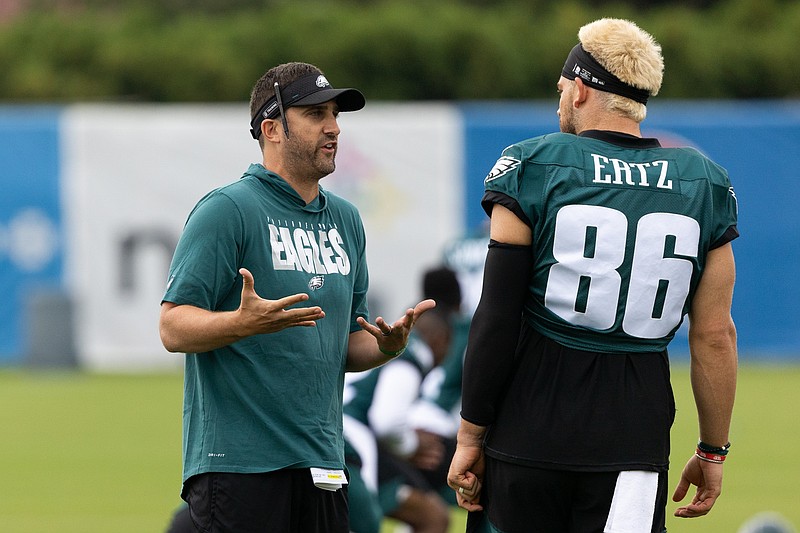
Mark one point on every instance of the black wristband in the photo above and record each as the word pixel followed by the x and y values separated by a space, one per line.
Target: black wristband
pixel 718 450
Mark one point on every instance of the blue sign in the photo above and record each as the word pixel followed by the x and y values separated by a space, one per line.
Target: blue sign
pixel 31 236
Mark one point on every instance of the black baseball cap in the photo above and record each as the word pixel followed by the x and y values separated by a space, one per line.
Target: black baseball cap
pixel 308 90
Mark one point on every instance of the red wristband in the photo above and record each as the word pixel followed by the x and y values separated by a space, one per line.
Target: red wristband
pixel 710 457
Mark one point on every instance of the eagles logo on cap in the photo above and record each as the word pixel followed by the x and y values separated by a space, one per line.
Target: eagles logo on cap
pixel 313 89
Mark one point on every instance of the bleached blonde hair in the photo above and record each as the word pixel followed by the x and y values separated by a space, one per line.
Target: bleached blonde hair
pixel 631 54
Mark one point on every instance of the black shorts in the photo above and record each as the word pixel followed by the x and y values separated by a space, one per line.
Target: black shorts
pixel 522 499
pixel 285 501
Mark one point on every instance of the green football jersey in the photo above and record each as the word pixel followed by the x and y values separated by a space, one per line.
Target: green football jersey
pixel 620 235
pixel 269 401
pixel 362 386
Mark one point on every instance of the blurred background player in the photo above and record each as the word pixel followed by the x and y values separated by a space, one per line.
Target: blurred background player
pixel 436 411
pixel 466 257
pixel 407 467
pixel 456 288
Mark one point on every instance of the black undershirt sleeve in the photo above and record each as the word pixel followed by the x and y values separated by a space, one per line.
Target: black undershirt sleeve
pixel 490 198
pixel 495 330
pixel 731 233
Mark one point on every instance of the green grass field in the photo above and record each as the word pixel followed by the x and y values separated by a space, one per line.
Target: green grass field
pixel 83 453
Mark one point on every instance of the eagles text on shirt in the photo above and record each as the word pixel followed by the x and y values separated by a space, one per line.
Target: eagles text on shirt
pixel 312 248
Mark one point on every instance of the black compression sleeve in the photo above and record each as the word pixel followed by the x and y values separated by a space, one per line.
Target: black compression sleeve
pixel 494 332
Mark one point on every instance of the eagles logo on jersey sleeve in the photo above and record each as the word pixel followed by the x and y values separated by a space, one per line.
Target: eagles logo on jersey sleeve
pixel 504 176
pixel 503 166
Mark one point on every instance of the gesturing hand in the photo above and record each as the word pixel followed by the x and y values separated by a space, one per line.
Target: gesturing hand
pixel 393 337
pixel 269 316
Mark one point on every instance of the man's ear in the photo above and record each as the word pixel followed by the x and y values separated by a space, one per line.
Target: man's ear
pixel 581 93
pixel 272 130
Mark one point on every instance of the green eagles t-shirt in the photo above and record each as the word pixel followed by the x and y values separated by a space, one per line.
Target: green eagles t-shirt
pixel 270 401
pixel 620 235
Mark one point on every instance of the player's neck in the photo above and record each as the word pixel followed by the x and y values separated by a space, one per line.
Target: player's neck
pixel 609 122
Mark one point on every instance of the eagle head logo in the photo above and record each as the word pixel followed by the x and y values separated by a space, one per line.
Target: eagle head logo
pixel 316 282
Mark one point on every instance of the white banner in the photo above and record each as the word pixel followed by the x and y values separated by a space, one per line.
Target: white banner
pixel 132 173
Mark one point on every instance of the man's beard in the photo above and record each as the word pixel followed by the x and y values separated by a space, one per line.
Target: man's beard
pixel 566 122
pixel 306 158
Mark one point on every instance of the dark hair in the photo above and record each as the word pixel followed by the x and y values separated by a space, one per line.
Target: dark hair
pixel 284 74
pixel 442 285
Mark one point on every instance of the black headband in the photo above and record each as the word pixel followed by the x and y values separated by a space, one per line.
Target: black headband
pixel 581 64
pixel 309 90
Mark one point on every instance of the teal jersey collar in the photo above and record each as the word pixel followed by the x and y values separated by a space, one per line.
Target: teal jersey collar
pixel 279 185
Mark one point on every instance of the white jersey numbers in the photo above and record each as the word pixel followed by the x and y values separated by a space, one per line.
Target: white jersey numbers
pixel 585 286
pixel 659 285
pixel 589 245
